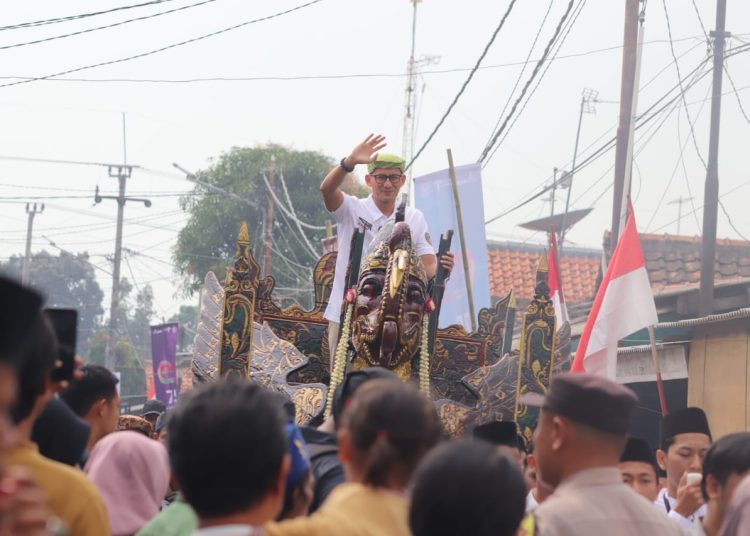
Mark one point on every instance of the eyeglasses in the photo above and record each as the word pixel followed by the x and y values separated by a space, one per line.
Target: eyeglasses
pixel 380 179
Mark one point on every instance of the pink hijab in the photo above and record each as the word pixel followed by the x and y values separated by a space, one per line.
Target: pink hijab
pixel 131 472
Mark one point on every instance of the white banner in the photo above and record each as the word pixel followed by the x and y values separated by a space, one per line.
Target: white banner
pixel 433 195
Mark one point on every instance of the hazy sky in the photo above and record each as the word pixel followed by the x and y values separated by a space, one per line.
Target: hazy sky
pixel 189 123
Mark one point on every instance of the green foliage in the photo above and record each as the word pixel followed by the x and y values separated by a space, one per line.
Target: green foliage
pixel 187 318
pixel 207 242
pixel 68 281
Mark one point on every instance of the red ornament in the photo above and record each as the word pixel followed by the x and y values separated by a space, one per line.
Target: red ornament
pixel 429 305
pixel 350 296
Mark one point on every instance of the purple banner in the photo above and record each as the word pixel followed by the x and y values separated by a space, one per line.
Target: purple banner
pixel 164 359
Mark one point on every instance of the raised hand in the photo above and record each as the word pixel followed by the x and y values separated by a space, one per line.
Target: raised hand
pixel 367 151
pixel 689 497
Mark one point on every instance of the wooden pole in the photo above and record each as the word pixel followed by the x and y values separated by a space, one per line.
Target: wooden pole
pixel 711 192
pixel 464 253
pixel 629 61
pixel 657 369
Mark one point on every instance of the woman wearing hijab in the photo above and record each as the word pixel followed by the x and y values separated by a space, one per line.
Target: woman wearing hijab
pixel 131 472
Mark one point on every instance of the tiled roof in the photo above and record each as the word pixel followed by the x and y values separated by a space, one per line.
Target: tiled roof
pixel 512 265
pixel 674 262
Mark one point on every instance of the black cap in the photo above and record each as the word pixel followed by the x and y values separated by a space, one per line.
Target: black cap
pixel 345 390
pixel 21 306
pixel 153 406
pixel 684 421
pixel 499 433
pixel 638 450
pixel 588 399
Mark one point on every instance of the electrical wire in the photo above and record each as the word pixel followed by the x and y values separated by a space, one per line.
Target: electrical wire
pixel 97 28
pixel 679 79
pixel 465 84
pixel 523 68
pixel 604 148
pixel 289 211
pixel 746 183
pixel 665 112
pixel 164 48
pixel 525 88
pixel 328 76
pixel 538 83
pixel 736 94
pixel 731 223
pixel 68 18
pixel 680 160
pixel 290 215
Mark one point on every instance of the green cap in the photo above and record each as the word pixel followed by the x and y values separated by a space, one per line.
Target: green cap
pixel 387 161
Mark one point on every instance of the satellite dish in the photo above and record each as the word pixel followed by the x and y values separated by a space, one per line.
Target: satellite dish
pixel 556 221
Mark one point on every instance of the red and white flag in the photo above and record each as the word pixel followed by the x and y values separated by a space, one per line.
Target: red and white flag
pixel 555 283
pixel 623 305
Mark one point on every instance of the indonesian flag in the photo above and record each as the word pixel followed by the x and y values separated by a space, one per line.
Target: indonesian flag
pixel 623 305
pixel 555 283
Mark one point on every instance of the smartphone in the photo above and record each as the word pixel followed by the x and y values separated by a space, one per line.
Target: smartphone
pixel 65 324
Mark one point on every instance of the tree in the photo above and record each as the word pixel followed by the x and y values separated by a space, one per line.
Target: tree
pixel 187 318
pixel 132 343
pixel 207 242
pixel 67 281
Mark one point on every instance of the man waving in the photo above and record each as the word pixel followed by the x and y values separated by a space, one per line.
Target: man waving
pixel 385 178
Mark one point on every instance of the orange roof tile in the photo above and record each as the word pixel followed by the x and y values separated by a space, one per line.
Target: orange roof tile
pixel 512 265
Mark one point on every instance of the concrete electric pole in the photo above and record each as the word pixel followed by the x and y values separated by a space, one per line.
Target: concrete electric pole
pixel 32 209
pixel 122 173
pixel 711 192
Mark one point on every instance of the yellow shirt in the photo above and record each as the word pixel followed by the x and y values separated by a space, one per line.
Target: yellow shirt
pixel 352 510
pixel 70 494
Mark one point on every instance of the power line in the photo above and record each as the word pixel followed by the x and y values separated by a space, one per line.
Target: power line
pixel 55 161
pixel 641 121
pixel 51 78
pixel 679 79
pixel 164 48
pixel 525 88
pixel 68 18
pixel 466 82
pixel 736 94
pixel 742 185
pixel 538 83
pixel 731 223
pixel 523 68
pixel 680 159
pixel 97 28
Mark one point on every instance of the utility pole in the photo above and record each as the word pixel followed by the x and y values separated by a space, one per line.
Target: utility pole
pixel 589 98
pixel 122 172
pixel 627 94
pixel 679 202
pixel 32 209
pixel 711 192
pixel 268 234
pixel 407 140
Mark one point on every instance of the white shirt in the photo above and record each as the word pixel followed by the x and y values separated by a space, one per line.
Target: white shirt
pixel 531 502
pixel 661 502
pixel 351 215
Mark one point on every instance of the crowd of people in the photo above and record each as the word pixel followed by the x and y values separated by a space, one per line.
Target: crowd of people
pixel 229 460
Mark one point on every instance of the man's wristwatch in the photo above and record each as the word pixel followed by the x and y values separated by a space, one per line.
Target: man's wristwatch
pixel 346 168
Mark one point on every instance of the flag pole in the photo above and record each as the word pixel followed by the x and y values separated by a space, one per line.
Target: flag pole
pixel 657 368
pixel 464 253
